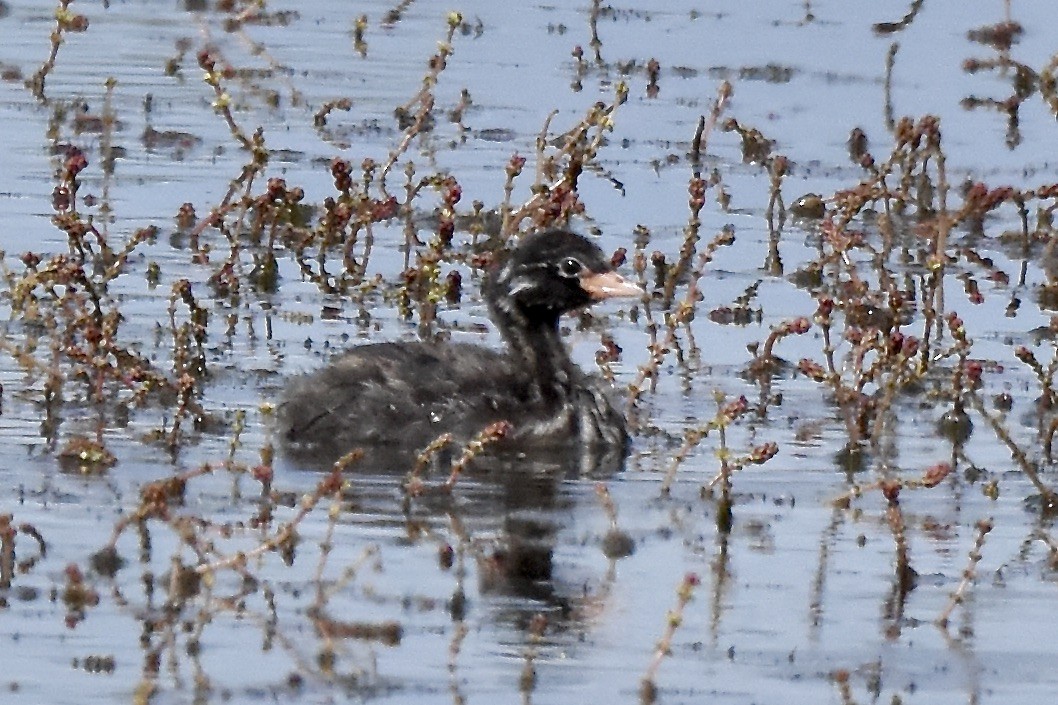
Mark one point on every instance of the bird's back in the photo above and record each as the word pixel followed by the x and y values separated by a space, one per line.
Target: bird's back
pixel 403 394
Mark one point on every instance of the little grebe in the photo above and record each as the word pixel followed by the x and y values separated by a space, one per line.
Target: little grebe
pixel 410 393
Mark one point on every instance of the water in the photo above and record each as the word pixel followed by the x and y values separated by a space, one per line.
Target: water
pixel 797 591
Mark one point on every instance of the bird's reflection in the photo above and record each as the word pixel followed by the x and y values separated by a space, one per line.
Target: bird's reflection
pixel 506 512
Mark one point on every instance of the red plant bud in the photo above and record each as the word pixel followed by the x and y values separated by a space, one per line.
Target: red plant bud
pixel 935 474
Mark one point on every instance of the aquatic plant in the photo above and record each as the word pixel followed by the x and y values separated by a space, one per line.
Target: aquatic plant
pixel 875 329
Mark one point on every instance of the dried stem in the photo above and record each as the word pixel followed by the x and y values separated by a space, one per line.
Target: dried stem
pixel 969 574
pixel 674 618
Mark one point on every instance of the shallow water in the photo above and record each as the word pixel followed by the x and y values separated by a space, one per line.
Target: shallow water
pixel 797 591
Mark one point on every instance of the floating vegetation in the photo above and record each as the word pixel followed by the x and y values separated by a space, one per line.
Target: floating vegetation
pixel 840 381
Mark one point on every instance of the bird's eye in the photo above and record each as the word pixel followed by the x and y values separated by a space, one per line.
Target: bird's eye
pixel 570 267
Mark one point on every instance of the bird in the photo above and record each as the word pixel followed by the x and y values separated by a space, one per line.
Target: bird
pixel 406 394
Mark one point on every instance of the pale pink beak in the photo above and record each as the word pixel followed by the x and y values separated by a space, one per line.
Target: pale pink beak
pixel 606 285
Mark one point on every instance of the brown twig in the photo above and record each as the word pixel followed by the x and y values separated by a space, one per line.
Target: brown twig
pixel 648 686
pixel 969 574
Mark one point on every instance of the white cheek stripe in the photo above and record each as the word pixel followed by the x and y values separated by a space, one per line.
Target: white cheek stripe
pixel 521 284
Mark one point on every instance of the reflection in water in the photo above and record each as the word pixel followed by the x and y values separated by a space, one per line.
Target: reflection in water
pixel 180 257
pixel 517 498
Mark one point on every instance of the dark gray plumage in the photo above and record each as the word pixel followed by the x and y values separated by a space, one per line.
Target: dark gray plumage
pixel 407 394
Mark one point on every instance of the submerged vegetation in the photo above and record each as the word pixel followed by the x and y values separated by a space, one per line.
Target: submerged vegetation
pixel 875 342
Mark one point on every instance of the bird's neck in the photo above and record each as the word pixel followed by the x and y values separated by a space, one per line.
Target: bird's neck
pixel 534 342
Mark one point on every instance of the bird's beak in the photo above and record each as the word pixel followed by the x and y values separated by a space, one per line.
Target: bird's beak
pixel 605 285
